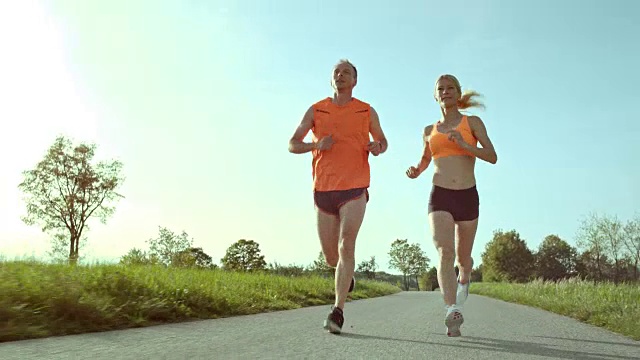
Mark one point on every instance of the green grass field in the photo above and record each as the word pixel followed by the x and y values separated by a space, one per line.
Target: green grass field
pixel 39 300
pixel 614 307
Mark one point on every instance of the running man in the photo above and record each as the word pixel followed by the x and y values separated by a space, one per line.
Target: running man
pixel 454 202
pixel 340 146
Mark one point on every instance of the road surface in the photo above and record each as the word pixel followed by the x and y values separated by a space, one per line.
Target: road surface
pixel 407 325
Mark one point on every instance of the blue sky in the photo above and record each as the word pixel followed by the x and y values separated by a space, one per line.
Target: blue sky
pixel 199 99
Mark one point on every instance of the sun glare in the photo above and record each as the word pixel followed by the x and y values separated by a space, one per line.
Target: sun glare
pixel 40 99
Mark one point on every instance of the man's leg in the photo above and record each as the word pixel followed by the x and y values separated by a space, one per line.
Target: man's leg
pixel 351 217
pixel 329 234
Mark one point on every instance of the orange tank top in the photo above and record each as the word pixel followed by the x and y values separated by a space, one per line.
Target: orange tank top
pixel 441 146
pixel 346 164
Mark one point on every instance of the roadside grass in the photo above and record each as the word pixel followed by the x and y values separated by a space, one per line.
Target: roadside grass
pixel 614 307
pixel 40 299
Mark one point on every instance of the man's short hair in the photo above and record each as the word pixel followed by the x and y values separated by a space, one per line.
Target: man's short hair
pixel 346 61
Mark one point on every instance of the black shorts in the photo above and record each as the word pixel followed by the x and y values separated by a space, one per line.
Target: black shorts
pixel 331 201
pixel 463 205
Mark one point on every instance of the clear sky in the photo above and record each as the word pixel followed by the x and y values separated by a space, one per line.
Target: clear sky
pixel 199 100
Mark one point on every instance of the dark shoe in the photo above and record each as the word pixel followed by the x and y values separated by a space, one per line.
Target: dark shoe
pixel 353 284
pixel 334 321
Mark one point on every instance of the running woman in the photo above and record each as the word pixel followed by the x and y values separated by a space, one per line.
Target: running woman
pixel 454 201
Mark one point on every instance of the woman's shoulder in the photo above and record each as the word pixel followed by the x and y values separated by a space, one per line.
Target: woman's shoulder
pixel 428 129
pixel 473 119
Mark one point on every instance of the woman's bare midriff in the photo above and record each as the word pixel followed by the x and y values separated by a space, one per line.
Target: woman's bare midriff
pixel 454 172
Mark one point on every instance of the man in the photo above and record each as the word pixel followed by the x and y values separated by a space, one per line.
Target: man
pixel 340 146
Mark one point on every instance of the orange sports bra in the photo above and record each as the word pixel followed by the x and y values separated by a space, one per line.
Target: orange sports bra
pixel 441 146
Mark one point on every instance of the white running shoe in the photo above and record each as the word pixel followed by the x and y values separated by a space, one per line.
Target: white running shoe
pixel 462 293
pixel 453 320
pixel 463 289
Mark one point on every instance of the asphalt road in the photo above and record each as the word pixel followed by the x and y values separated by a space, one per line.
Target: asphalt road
pixel 400 326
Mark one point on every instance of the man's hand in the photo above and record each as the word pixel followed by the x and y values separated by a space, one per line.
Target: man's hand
pixel 375 147
pixel 413 172
pixel 325 143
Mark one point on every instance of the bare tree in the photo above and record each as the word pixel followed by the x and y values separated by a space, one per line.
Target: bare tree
pixel 632 242
pixel 611 229
pixel 589 238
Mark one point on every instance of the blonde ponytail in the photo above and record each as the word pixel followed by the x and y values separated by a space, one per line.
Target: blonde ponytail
pixel 467 100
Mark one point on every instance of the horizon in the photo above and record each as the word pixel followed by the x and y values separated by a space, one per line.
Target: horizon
pixel 199 101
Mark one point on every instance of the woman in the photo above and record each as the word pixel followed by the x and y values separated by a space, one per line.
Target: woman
pixel 454 202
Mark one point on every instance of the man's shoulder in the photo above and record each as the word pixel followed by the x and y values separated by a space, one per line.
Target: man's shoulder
pixel 325 102
pixel 360 106
pixel 359 103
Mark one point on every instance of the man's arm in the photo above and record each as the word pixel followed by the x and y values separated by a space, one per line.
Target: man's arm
pixel 296 145
pixel 486 152
pixel 376 131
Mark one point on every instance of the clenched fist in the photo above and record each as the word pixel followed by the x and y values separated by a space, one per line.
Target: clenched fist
pixel 325 143
pixel 375 147
pixel 413 172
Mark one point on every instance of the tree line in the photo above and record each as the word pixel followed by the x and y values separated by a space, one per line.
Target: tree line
pixel 67 188
pixel 610 252
pixel 607 249
pixel 171 249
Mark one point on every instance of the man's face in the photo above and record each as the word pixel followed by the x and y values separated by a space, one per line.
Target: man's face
pixel 343 77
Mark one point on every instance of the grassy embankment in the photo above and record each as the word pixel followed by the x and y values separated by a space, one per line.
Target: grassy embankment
pixel 39 300
pixel 614 307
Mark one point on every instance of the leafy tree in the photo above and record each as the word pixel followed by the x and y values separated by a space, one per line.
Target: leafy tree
pixel 193 257
pixel 555 259
pixel 507 258
pixel 628 270
pixel 594 267
pixel 66 189
pixel 400 258
pixel 368 267
pixel 136 256
pixel 429 279
pixel 288 270
pixel 476 274
pixel 418 262
pixel 244 255
pixel 321 267
pixel 168 244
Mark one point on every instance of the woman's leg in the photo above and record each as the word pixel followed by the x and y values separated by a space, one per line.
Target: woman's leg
pixel 467 224
pixel 466 231
pixel 443 231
